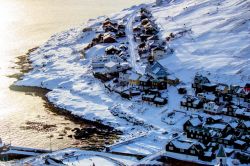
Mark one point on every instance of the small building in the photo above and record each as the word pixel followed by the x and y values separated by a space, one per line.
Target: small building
pixel 148 98
pixel 212 108
pixel 199 80
pixel 157 52
pixel 111 66
pixel 191 102
pixel 239 144
pixel 186 146
pixel 108 38
pixel 156 70
pixel 182 90
pixel 134 79
pixel 208 87
pixel 194 122
pixel 144 81
pixel 160 101
pixel 222 89
pixel 110 50
pixel 214 119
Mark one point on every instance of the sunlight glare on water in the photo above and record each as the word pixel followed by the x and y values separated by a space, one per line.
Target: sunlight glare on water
pixel 25 24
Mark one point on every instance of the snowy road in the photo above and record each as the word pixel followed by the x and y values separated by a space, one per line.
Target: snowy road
pixel 132 45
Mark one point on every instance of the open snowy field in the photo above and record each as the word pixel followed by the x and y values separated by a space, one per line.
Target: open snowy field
pixel 214 40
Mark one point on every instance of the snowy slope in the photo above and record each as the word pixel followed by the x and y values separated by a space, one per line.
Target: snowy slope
pixel 76 157
pixel 217 44
pixel 218 37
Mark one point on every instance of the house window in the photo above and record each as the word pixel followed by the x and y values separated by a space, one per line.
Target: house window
pixel 192 151
pixel 182 150
pixel 192 135
pixel 171 148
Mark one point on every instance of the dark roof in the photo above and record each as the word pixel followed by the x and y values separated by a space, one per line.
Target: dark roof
pixel 221 152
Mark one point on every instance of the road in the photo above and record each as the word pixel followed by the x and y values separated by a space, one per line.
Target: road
pixel 137 66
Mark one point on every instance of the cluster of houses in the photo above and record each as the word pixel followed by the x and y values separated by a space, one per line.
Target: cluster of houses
pixel 205 137
pixel 149 87
pixel 218 99
pixel 113 68
pixel 145 32
pixel 112 31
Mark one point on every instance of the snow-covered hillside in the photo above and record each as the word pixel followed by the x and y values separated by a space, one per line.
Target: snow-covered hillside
pixel 211 37
pixel 216 37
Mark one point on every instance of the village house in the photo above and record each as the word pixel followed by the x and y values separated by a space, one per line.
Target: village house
pixel 242 113
pixel 145 82
pixel 158 83
pixel 134 79
pixel 206 97
pixel 157 52
pixel 213 130
pixel 108 38
pixel 213 119
pixel 153 38
pixel 110 50
pixel 191 102
pixel 172 80
pixel 229 110
pixel 120 34
pixel 108 22
pixel 244 127
pixel 186 146
pixel 148 97
pixel 159 101
pixel 239 144
pixel 114 58
pixel 156 70
pixel 114 67
pixel 199 80
pixel 182 90
pixel 212 108
pixel 98 62
pixel 222 89
pixel 243 93
pixel 111 66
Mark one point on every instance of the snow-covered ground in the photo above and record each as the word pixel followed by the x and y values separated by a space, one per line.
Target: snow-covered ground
pixel 76 157
pixel 216 43
pixel 217 38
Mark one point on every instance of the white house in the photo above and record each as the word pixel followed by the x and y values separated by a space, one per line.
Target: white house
pixel 157 52
pixel 212 108
pixel 114 58
pixel 111 66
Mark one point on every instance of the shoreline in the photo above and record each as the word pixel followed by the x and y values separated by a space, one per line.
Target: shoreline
pixel 24 66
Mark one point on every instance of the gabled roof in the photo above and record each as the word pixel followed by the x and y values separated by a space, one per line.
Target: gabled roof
pixel 110 64
pixel 134 76
pixel 195 121
pixel 156 70
pixel 221 152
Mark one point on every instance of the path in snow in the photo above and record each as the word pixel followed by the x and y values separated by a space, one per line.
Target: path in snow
pixel 132 45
